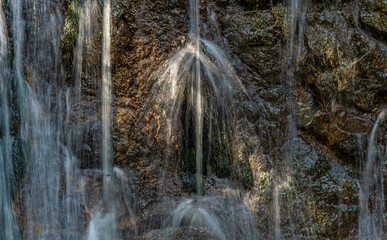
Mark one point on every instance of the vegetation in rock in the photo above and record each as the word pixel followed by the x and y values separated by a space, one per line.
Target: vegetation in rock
pixel 69 36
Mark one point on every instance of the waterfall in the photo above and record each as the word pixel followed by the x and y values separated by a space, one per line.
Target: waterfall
pixel 8 222
pixel 199 107
pixel 96 145
pixel 104 227
pixel 106 99
pixel 83 42
pixel 197 81
pixel 45 143
pixel 196 85
pixel 296 17
pixel 371 194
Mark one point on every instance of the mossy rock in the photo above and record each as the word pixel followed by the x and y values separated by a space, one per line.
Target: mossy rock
pixel 245 174
pixel 69 37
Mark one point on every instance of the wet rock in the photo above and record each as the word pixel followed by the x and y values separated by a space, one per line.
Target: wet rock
pixel 180 234
pixel 306 108
pixel 327 194
pixel 341 84
pixel 373 14
pixel 255 36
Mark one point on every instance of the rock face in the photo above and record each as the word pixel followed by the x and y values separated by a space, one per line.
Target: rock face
pixel 340 86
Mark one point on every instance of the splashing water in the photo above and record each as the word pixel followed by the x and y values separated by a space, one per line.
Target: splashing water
pixel 224 218
pixel 201 79
pixel 102 227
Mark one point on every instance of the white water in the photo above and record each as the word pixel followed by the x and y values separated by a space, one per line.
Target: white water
pixel 201 75
pixel 371 215
pixel 84 48
pixel 224 218
pixel 45 144
pixel 103 226
pixel 106 98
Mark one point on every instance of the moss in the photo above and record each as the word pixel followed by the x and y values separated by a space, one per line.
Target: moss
pixel 245 174
pixel 69 37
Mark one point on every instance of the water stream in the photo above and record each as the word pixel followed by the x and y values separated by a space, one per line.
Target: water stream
pixel 102 225
pixel 7 171
pixel 371 192
pixel 296 16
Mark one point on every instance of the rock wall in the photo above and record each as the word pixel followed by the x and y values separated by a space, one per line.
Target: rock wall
pixel 340 87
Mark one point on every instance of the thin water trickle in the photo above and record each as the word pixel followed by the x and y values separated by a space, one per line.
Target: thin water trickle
pixel 371 192
pixel 106 99
pixel 83 47
pixel 296 18
pixel 277 212
pixel 103 226
pixel 199 108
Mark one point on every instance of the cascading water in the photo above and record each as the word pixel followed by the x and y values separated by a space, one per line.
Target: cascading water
pixel 106 99
pixel 42 191
pixel 88 12
pixel 296 23
pixel 7 178
pixel 371 192
pixel 103 226
pixel 45 143
pixel 198 85
pixel 197 82
pixel 296 19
